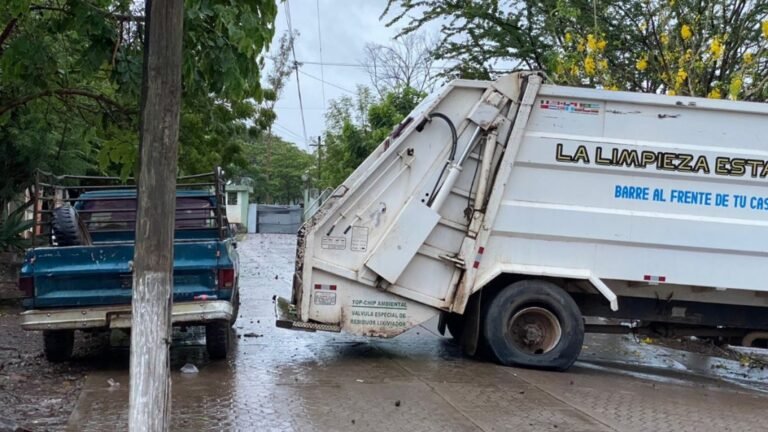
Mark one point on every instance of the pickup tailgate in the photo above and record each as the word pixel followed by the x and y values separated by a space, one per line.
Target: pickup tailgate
pixel 101 275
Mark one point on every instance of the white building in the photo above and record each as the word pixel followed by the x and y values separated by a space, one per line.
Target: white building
pixel 237 203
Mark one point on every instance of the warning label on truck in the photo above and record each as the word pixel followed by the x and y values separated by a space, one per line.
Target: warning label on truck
pixel 379 313
pixel 335 243
pixel 324 298
pixel 359 241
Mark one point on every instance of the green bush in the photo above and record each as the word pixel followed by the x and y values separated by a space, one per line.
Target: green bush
pixel 12 226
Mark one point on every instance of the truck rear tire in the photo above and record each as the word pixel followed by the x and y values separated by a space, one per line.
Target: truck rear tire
pixel 536 324
pixel 66 227
pixel 217 339
pixel 58 345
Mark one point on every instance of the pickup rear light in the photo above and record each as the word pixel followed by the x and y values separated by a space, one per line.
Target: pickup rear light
pixel 226 278
pixel 27 286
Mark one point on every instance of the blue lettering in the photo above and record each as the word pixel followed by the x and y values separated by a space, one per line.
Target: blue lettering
pixel 631 192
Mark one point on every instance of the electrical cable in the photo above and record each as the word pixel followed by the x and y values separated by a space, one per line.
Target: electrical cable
pixel 365 66
pixel 296 66
pixel 320 42
pixel 326 82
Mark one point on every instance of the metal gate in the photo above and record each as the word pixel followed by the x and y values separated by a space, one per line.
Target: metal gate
pixel 278 219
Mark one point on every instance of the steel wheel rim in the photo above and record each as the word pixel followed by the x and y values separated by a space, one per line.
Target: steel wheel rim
pixel 534 330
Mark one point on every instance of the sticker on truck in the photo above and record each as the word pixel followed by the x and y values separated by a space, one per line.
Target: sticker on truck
pixel 573 107
pixel 359 241
pixel 324 295
pixel 379 313
pixel 334 243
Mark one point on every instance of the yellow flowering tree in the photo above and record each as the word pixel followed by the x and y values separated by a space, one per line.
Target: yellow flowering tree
pixel 678 47
pixel 717 51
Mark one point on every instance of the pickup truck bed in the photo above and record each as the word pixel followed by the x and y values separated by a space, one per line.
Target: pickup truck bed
pixel 82 278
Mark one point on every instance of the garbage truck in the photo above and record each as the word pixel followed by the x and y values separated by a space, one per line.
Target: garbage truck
pixel 525 214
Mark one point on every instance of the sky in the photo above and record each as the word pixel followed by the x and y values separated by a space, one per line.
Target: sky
pixel 345 26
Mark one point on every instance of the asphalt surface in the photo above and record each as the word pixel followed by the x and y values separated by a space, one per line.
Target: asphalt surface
pixel 282 380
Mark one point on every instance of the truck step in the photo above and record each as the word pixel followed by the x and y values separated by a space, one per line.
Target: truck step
pixel 288 319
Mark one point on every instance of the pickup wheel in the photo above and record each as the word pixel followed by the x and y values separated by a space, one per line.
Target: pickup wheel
pixel 67 227
pixel 58 345
pixel 217 338
pixel 534 323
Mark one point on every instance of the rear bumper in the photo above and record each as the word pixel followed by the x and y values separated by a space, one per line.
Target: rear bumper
pixel 194 312
pixel 285 317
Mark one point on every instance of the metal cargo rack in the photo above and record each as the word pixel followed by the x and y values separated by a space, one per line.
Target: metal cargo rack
pixel 50 192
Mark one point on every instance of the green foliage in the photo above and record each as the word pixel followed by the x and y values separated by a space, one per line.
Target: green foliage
pixel 12 225
pixel 688 47
pixel 277 167
pixel 356 126
pixel 70 85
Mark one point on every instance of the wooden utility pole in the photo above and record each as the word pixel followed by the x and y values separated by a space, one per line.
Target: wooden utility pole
pixel 150 391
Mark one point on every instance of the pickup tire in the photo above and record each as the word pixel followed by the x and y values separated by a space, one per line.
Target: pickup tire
pixel 67 228
pixel 58 345
pixel 534 323
pixel 217 338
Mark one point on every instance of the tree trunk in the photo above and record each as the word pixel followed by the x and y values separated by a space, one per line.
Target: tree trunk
pixel 150 389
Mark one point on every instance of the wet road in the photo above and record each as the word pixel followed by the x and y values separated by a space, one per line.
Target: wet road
pixel 281 380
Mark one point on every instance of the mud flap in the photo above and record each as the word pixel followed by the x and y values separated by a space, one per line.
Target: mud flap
pixel 470 338
pixel 441 323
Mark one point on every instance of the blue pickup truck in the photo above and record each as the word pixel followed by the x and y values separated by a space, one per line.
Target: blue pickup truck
pixel 78 276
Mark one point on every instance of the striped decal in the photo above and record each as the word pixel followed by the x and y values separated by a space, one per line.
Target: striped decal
pixel 656 279
pixel 478 257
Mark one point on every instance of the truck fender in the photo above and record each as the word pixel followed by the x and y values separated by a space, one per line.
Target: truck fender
pixel 544 271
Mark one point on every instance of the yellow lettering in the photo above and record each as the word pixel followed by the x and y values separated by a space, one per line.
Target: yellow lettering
pixel 581 155
pixel 701 165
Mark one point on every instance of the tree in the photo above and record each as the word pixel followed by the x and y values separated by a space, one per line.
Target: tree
pixel 282 68
pixel 70 85
pixel 281 181
pixel 688 47
pixel 406 62
pixel 356 126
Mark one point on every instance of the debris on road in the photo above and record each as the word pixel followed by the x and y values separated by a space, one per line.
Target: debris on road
pixel 252 335
pixel 189 368
pixel 113 384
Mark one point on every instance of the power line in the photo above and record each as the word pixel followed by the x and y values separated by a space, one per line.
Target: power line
pixel 285 130
pixel 321 63
pixel 295 108
pixel 320 42
pixel 326 82
pixel 296 66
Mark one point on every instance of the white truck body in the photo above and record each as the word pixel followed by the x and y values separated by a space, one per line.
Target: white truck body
pixel 619 197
